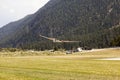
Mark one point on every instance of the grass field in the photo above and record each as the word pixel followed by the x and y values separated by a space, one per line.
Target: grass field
pixel 77 66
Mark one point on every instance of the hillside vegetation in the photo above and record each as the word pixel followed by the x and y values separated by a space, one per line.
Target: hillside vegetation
pixel 96 23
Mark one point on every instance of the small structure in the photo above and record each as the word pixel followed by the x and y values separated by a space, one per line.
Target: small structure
pixel 79 49
pixel 69 52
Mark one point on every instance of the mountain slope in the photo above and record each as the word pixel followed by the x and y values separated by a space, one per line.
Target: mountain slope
pixel 82 20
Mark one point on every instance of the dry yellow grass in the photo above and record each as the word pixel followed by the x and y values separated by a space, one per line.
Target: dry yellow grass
pixel 77 66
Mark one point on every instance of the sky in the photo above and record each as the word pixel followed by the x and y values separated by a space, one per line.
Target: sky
pixel 12 10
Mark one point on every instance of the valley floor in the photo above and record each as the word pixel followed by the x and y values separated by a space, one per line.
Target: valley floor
pixel 78 66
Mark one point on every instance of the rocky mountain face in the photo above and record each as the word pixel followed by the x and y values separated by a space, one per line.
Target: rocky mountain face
pixel 96 23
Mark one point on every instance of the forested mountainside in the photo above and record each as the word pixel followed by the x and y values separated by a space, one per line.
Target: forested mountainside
pixel 96 23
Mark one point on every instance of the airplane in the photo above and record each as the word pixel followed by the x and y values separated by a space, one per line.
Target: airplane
pixel 58 41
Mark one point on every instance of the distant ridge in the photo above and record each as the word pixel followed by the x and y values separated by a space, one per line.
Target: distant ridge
pixel 96 23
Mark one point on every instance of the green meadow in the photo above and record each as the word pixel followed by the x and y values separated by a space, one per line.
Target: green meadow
pixel 59 66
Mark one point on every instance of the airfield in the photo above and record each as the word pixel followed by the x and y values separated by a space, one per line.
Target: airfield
pixel 96 64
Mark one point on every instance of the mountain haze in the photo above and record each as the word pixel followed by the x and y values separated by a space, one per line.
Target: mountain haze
pixel 96 23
